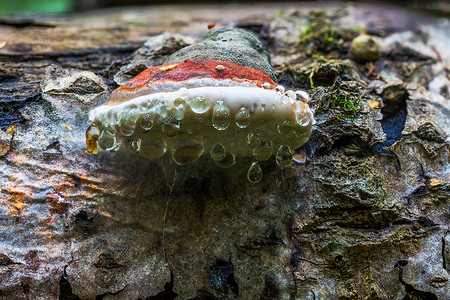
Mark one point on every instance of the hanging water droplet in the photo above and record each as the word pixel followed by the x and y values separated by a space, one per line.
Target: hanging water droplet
pixel 143 107
pixel 135 145
pixel 131 145
pixel 128 122
pixel 264 150
pixel 178 113
pixel 161 110
pixel 153 148
pixel 146 106
pixel 303 119
pixel 301 114
pixel 179 107
pixel 92 133
pixel 147 120
pixel 217 152
pixel 253 139
pixel 221 115
pixel 103 119
pixel 107 140
pixel 284 127
pixel 242 117
pixel 254 174
pixel 199 104
pixel 171 129
pixel 284 156
pixel 91 115
pixel 187 151
pixel 179 103
pixel 113 116
pixel 228 161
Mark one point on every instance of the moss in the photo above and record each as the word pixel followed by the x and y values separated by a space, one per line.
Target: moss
pixel 342 99
pixel 318 71
pixel 320 36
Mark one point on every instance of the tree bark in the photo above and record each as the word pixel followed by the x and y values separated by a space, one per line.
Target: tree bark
pixel 362 213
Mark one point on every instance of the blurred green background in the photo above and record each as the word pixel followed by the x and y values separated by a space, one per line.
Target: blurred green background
pixel 39 6
pixel 60 6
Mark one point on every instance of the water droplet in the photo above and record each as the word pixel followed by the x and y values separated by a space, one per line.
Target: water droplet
pixel 186 151
pixel 199 104
pixel 183 92
pixel 266 85
pixel 284 127
pixel 228 161
pixel 264 150
pixel 291 94
pixel 128 122
pixel 221 115
pixel 178 113
pixel 91 115
pixel 179 109
pixel 132 145
pixel 280 89
pixel 302 95
pixel 147 120
pixel 254 174
pixel 171 129
pixel 303 118
pixel 153 148
pixel 102 119
pixel 135 145
pixel 161 110
pixel 217 152
pixel 107 140
pixel 301 114
pixel 91 138
pixel 283 156
pixel 179 103
pixel 113 116
pixel 242 117
pixel 146 106
pixel 253 139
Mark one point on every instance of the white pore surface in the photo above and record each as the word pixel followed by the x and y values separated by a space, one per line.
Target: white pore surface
pixel 267 109
pixel 261 102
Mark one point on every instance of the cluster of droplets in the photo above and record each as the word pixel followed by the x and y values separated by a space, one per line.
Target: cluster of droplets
pixel 262 149
pixel 185 150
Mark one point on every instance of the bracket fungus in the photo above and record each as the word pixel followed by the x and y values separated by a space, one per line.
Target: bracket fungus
pixel 218 96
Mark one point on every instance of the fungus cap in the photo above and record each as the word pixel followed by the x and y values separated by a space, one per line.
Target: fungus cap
pixel 185 109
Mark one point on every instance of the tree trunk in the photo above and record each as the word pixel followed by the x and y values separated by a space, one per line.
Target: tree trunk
pixel 362 213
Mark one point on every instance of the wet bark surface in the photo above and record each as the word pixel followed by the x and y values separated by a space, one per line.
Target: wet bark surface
pixel 363 212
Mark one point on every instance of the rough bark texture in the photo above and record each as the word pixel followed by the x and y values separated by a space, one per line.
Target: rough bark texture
pixel 366 216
